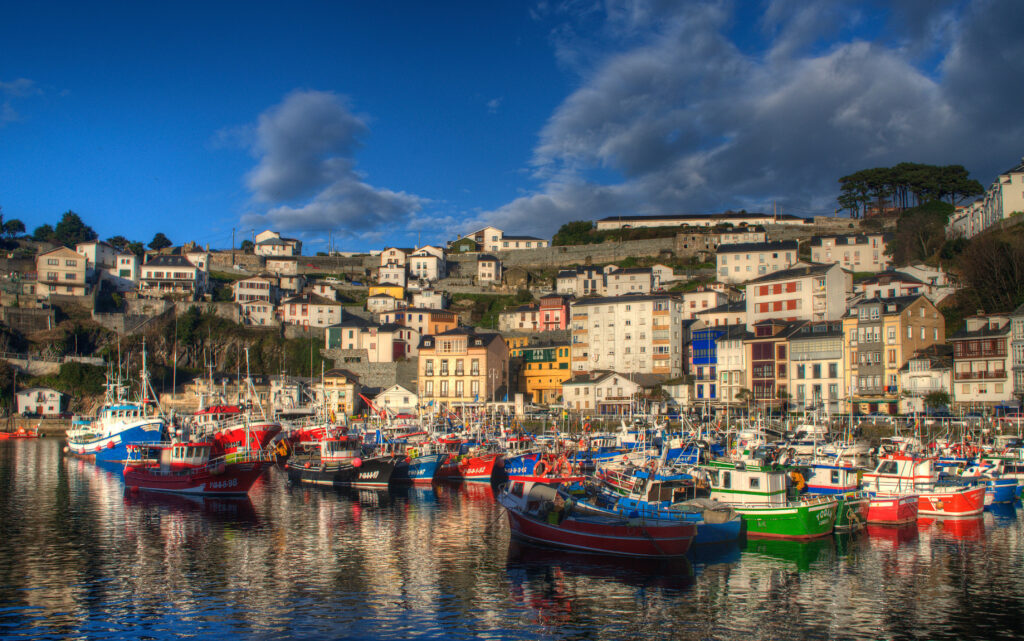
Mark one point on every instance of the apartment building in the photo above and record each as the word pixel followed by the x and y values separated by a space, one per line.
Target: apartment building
pixel 171 275
pixel 767 356
pixel 881 334
pixel 813 293
pixel 580 281
pixel 427 264
pixel 717 376
pixel 552 313
pixel 634 280
pixel 385 343
pixel 738 263
pixel 340 392
pixel 61 271
pixel 983 361
pixel 1003 197
pixel 736 219
pixel 256 288
pixel 425 321
pixel 391 274
pixel 816 367
pixel 430 299
pixel 854 252
pixel 730 313
pixel 928 370
pixel 628 334
pixel 462 367
pixel 543 369
pixel 1017 349
pixel 701 300
pixel 309 310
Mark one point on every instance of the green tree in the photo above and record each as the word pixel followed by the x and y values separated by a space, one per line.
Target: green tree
pixel 119 243
pixel 71 230
pixel 13 227
pixel 43 234
pixel 577 232
pixel 248 246
pixel 920 232
pixel 160 241
pixel 937 399
pixel 137 248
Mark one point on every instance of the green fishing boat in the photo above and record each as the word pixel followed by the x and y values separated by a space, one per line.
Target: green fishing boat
pixel 759 494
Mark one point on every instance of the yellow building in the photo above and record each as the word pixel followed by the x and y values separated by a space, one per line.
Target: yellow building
pixel 461 367
pixel 881 334
pixel 394 291
pixel 341 389
pixel 544 369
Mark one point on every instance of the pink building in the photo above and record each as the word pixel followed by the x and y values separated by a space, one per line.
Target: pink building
pixel 551 314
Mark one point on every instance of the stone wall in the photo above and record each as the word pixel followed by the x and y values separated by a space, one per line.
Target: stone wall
pixel 226 261
pixel 563 256
pixel 124 324
pixel 380 375
pixel 297 331
pixel 28 320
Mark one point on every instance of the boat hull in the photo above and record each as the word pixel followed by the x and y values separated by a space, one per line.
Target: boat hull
pixel 372 473
pixel 231 441
pixel 418 471
pixel 892 509
pixel 469 469
pixel 953 502
pixel 801 522
pixel 113 448
pixel 630 538
pixel 236 479
pixel 852 512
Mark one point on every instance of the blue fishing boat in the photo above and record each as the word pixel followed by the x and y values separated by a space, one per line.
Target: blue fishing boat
pixel 118 424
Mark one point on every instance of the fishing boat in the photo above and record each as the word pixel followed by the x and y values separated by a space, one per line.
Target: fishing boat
pixel 468 462
pixel 840 481
pixel 341 462
pixel 902 474
pixel 118 423
pixel 539 513
pixel 187 468
pixel 419 464
pixel 759 494
pixel 21 432
pixel 232 430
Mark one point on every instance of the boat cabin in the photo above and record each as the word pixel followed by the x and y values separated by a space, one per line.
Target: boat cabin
pixel 831 479
pixel 740 484
pixel 121 412
pixel 898 474
pixel 341 449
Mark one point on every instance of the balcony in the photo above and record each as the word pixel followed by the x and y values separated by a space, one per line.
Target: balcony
pixel 971 376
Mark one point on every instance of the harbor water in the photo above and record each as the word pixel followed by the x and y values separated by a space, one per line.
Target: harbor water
pixel 81 558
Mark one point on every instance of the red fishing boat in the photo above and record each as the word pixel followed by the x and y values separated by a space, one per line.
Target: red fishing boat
pixel 906 474
pixel 468 462
pixel 892 509
pixel 538 512
pixel 231 430
pixel 953 501
pixel 21 433
pixel 188 469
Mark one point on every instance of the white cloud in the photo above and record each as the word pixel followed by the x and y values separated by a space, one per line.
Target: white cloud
pixel 12 90
pixel 306 171
pixel 679 118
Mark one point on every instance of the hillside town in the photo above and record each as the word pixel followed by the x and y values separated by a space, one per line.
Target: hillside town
pixel 730 312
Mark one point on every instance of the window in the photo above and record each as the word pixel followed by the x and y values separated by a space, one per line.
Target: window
pixel 833 370
pixel 755 483
pixel 726 480
pixel 428 388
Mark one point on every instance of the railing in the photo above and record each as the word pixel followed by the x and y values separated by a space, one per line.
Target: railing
pixel 966 376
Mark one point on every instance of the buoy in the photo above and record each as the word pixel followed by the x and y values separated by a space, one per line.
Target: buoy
pixel 307 465
pixel 66 449
pixel 110 445
pixel 357 462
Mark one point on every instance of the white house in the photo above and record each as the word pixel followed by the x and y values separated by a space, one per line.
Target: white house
pixel 426 264
pixel 429 299
pixel 40 400
pixel 854 252
pixel 813 293
pixel 745 261
pixel 928 370
pixel 397 399
pixel 394 256
pixel 488 269
pixel 271 243
pixel 309 310
pixel 633 280
pixel 600 392
pixel 392 274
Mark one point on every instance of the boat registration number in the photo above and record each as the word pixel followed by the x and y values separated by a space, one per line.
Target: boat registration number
pixel 223 484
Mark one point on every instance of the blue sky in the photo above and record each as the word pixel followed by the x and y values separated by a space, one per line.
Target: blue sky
pixel 388 123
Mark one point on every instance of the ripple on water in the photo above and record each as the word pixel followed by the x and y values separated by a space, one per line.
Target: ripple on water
pixel 86 560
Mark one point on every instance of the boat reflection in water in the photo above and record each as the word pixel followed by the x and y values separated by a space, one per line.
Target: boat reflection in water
pixel 891 536
pixel 953 528
pixel 803 553
pixel 214 508
pixel 533 562
pixel 715 554
pixel 1000 515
